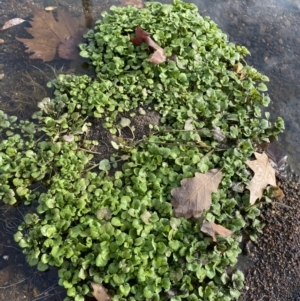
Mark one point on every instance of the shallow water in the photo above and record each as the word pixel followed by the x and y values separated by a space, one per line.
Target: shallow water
pixel 269 29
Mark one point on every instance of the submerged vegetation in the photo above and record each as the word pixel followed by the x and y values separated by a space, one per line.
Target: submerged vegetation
pixel 112 222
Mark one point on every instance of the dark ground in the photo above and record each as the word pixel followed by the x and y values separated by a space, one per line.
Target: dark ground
pixel 275 273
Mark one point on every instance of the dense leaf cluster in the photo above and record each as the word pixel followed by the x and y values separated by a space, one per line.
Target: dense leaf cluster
pixel 119 229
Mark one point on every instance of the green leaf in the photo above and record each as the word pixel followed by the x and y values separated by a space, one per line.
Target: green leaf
pixel 104 165
pixel 84 54
pixel 262 87
pixel 21 191
pixel 42 267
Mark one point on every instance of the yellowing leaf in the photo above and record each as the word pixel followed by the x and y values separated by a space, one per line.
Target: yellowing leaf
pixel 194 195
pixel 212 229
pixel 100 292
pixel 264 174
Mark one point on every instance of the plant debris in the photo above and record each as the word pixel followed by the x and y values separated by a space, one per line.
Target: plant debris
pixel 143 36
pixel 264 174
pixel 50 35
pixel 194 195
pixel 213 229
pixel 100 292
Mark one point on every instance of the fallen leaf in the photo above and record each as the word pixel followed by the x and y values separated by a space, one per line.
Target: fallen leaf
pixel 67 49
pixel 276 193
pixel 12 23
pixel 143 36
pixel 238 68
pixel 278 159
pixel 213 229
pixel 49 34
pixel 264 174
pixel 194 195
pixel 100 292
pixel 158 57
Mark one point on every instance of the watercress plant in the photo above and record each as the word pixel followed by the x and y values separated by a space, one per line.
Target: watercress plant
pixel 118 228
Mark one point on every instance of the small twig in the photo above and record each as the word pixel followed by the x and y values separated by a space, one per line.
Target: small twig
pixel 281 204
pixel 11 247
pixel 89 151
pixel 14 283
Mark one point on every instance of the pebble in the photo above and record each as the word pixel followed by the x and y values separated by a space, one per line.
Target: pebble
pixel 1 41
pixel 1 76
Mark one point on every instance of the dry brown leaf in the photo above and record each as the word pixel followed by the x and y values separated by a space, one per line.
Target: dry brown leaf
pixel 276 193
pixel 213 229
pixel 143 36
pixel 194 195
pixel 100 292
pixel 264 174
pixel 49 33
pixel 238 68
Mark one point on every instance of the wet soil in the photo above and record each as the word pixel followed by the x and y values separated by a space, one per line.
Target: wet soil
pixel 274 270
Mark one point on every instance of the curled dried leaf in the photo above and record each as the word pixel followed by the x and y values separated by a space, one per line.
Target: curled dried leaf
pixel 100 292
pixel 213 229
pixel 143 36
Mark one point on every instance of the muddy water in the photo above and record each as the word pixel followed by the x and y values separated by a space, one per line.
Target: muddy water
pixel 269 29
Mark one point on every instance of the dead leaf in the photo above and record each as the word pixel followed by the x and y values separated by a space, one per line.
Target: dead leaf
pixel 158 57
pixel 12 23
pixel 194 195
pixel 100 292
pixel 213 229
pixel 50 8
pixel 68 48
pixel 278 159
pixel 264 174
pixel 143 36
pixel 238 68
pixel 276 193
pixel 65 32
pixel 137 3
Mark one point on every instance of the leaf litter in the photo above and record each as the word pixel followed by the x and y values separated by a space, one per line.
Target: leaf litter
pixel 143 36
pixel 264 174
pixel 194 195
pixel 212 229
pixel 100 292
pixel 50 35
